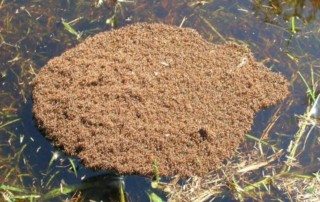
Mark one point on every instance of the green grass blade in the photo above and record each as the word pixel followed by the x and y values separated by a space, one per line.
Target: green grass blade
pixel 11 188
pixel 261 142
pixel 74 167
pixel 122 195
pixel 30 197
pixel 67 189
pixel 51 178
pixel 154 197
pixel 156 176
pixel 70 29
pixel 310 90
pixel 293 24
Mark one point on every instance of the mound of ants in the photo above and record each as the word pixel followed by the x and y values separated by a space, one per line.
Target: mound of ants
pixel 124 99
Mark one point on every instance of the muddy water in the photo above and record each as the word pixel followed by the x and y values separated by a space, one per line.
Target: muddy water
pixel 285 36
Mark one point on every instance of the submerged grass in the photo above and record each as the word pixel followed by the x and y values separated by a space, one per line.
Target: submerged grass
pixel 10 193
pixel 68 27
pixel 312 87
pixel 12 179
pixel 9 122
pixel 293 25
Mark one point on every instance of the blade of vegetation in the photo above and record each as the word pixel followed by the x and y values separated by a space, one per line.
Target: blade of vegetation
pixel 51 178
pixel 262 142
pixel 122 194
pixel 9 122
pixel 311 89
pixel 74 167
pixel 54 157
pixel 10 196
pixel 156 176
pixel 70 29
pixel 153 197
pixel 64 190
pixel 213 29
pixel 112 21
pixel 11 188
pixel 293 24
pixel 68 189
pixel 30 197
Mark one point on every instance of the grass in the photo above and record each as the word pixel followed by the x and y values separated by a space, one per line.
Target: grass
pixel 122 195
pixel 311 87
pixel 156 175
pixel 12 174
pixel 10 193
pixel 73 166
pixel 154 197
pixel 293 25
pixel 9 123
pixel 68 27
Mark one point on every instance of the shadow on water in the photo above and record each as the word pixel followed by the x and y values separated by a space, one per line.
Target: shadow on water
pixel 282 34
pixel 103 187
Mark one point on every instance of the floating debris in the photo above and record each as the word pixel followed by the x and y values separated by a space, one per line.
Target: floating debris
pixel 101 101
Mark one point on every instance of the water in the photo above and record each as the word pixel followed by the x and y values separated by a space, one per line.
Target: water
pixel 286 36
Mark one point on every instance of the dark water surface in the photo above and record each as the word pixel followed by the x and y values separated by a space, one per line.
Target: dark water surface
pixel 285 35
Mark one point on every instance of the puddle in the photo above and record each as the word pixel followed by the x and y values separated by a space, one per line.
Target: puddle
pixel 284 35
